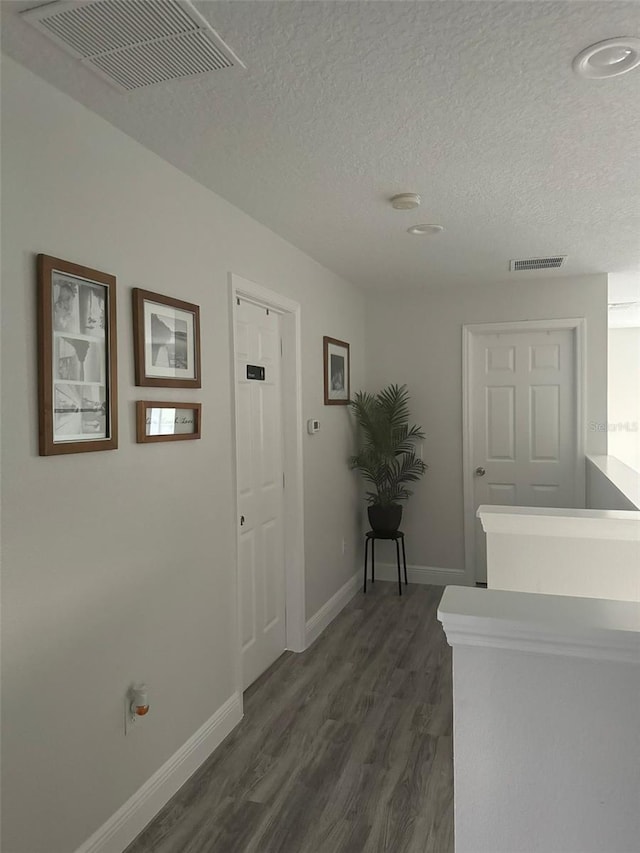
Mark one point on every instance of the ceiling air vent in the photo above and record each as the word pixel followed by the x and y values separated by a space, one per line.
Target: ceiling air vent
pixel 135 43
pixel 550 263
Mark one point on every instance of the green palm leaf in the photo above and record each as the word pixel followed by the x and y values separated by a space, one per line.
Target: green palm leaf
pixel 387 458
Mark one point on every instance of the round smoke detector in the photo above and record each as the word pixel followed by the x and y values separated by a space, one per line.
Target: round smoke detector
pixel 405 201
pixel 608 58
pixel 425 229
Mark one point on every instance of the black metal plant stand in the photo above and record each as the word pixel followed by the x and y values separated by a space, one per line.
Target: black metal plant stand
pixel 398 537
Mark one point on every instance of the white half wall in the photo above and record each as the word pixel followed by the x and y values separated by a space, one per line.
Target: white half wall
pixel 119 566
pixel 587 553
pixel 546 691
pixel 611 484
pixel 415 337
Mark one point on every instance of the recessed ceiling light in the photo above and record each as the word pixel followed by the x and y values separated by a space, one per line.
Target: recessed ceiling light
pixel 425 229
pixel 608 58
pixel 405 201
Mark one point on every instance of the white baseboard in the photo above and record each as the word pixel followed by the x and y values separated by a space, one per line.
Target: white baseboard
pixel 122 827
pixel 420 574
pixel 328 612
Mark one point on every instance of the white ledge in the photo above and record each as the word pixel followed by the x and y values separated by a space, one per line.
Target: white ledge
pixel 571 523
pixel 546 624
pixel 624 478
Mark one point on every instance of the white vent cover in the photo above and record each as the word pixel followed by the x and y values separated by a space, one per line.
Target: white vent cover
pixel 135 43
pixel 552 262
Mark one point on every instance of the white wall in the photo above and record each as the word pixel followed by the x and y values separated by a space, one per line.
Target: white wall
pixel 546 691
pixel 624 395
pixel 611 484
pixel 580 552
pixel 416 337
pixel 595 568
pixel 119 565
pixel 546 753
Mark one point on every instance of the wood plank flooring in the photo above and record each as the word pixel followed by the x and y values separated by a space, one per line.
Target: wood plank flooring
pixel 346 748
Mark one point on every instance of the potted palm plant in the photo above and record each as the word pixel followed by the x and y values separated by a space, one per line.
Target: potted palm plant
pixel 387 458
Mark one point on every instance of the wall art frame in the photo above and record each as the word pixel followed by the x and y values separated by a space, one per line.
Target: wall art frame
pixel 166 340
pixel 162 421
pixel 337 372
pixel 77 358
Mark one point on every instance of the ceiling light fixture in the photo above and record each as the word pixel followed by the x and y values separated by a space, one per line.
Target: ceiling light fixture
pixel 608 58
pixel 425 229
pixel 405 201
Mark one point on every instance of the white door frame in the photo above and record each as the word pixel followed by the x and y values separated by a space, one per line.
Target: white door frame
pixel 578 326
pixel 293 498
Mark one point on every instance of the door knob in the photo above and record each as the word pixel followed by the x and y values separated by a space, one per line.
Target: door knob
pixel 480 472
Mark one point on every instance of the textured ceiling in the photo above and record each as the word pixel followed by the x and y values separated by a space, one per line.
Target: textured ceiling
pixel 472 104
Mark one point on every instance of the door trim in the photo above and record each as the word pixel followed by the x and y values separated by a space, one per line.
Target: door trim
pixel 577 325
pixel 293 497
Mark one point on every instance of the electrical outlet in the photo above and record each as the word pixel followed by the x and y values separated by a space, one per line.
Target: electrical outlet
pixel 131 721
pixel 136 706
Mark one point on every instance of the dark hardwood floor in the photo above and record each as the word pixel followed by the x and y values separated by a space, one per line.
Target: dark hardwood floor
pixel 342 749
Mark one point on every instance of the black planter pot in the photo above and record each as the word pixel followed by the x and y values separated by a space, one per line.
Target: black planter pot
pixel 385 519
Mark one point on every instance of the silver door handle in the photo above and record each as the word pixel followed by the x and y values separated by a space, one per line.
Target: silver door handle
pixel 480 472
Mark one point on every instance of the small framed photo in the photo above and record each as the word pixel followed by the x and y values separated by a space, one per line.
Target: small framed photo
pixel 77 362
pixel 167 421
pixel 337 369
pixel 166 338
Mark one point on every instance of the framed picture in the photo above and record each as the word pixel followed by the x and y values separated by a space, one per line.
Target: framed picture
pixel 166 338
pixel 337 371
pixel 167 421
pixel 77 363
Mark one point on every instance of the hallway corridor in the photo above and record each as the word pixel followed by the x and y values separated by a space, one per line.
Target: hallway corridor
pixel 346 748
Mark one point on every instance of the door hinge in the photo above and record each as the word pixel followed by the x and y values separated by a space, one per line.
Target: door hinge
pixel 283 479
pixel 281 348
pixel 237 300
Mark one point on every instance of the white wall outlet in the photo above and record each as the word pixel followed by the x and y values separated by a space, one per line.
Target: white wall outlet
pixel 136 707
pixel 131 721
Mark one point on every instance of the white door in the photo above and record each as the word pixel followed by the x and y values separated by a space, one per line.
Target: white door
pixel 261 568
pixel 523 416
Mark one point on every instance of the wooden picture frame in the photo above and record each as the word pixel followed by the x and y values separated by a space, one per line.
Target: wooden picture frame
pixel 166 341
pixel 337 372
pixel 173 421
pixel 77 359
